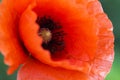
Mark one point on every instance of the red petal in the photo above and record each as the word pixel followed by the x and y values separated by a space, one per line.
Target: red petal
pixel 34 70
pixel 105 50
pixel 94 7
pixel 21 5
pixel 10 44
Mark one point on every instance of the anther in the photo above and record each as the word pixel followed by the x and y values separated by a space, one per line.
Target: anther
pixel 46 34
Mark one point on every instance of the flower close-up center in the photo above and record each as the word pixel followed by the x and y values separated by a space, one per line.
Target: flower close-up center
pixel 52 35
pixel 54 39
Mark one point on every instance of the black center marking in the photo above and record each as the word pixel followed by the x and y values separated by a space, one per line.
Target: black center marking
pixel 57 42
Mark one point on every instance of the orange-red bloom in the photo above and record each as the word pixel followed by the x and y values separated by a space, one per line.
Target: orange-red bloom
pixel 79 46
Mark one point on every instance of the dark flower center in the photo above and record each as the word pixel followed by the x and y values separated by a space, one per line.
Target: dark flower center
pixel 52 34
pixel 46 34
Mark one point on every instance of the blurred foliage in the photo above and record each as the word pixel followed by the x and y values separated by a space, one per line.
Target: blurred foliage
pixel 111 7
pixel 3 69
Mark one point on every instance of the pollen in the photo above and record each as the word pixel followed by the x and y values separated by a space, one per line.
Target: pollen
pixel 46 34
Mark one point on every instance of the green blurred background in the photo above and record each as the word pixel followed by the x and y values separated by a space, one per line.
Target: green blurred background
pixel 112 8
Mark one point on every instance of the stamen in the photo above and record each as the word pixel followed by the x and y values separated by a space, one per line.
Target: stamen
pixel 46 34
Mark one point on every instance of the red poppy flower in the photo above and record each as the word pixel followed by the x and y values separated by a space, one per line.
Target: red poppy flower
pixel 56 39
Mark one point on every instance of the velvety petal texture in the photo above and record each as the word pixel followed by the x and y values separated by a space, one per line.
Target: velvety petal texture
pixel 10 43
pixel 45 72
pixel 82 44
pixel 105 49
